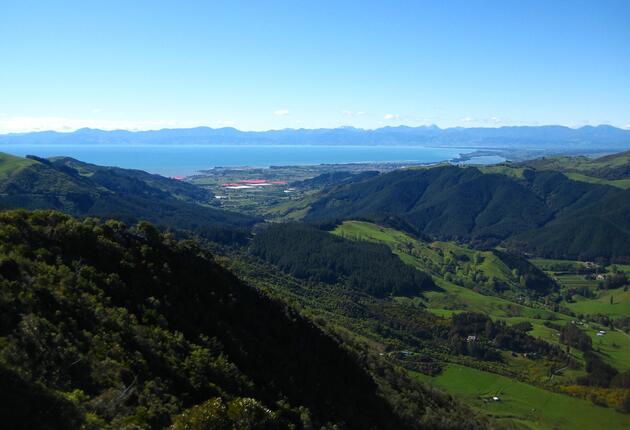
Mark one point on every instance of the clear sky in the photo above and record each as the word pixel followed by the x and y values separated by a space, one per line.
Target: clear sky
pixel 266 65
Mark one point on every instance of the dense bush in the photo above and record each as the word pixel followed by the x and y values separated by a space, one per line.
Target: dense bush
pixel 571 335
pixel 82 189
pixel 133 327
pixel 599 373
pixel 477 335
pixel 309 253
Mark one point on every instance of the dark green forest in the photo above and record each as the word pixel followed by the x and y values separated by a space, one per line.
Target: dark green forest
pixel 125 327
pixel 83 189
pixel 134 301
pixel 309 253
pixel 538 212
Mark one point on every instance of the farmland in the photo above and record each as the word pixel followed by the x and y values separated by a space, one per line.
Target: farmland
pixel 522 405
pixel 273 192
pixel 613 346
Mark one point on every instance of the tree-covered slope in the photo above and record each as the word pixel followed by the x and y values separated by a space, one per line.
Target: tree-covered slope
pixel 83 189
pixel 126 328
pixel 539 211
pixel 334 178
pixel 447 202
pixel 492 272
pixel 563 195
pixel 611 167
pixel 309 253
pixel 600 230
pixel 135 181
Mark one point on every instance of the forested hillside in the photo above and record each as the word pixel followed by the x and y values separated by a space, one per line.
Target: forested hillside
pixel 610 167
pixel 83 189
pixel 490 272
pixel 122 327
pixel 334 178
pixel 447 202
pixel 533 211
pixel 600 230
pixel 108 326
pixel 309 253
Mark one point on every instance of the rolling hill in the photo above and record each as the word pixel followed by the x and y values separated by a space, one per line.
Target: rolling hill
pixel 536 211
pixel 310 253
pixel 599 230
pixel 83 189
pixel 490 272
pixel 117 327
pixel 446 202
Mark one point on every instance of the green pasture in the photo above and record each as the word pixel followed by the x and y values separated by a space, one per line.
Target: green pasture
pixel 522 405
pixel 619 183
pixel 10 163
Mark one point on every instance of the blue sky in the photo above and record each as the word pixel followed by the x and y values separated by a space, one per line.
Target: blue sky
pixel 268 65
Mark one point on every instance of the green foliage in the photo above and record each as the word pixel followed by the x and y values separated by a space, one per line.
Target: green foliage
pixel 477 335
pixel 571 335
pixel 489 272
pixel 533 278
pixel 309 253
pixel 239 414
pixel 135 327
pixel 615 280
pixel 600 373
pixel 83 189
pixel 446 202
pixel 27 405
pixel 542 212
pixel 610 169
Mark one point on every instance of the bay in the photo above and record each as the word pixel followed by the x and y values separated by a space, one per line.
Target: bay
pixel 185 160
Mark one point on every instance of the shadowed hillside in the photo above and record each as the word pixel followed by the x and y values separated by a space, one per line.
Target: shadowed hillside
pixel 538 211
pixel 83 189
pixel 121 326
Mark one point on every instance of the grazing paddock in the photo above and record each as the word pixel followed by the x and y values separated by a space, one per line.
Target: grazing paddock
pixel 522 405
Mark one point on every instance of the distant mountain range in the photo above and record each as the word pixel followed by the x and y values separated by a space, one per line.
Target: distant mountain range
pixel 588 138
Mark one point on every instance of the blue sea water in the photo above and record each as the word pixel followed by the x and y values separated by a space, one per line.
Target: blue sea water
pixel 184 160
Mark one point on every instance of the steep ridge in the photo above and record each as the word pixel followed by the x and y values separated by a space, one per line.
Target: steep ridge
pixel 129 326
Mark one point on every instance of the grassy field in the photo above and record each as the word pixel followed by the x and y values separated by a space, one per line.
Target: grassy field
pixel 523 405
pixel 575 168
pixel 467 264
pixel 623 267
pixel 456 298
pixel 502 169
pixel 614 346
pixel 9 164
pixel 574 280
pixel 584 169
pixel 582 163
pixel 290 210
pixel 453 298
pixel 552 265
pixel 619 183
pixel 602 304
